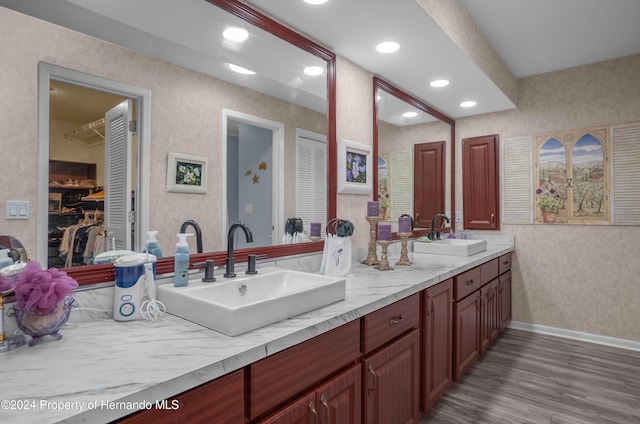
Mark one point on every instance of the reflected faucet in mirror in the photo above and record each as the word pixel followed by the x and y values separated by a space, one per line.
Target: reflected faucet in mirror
pixel 230 264
pixel 433 234
pixel 196 229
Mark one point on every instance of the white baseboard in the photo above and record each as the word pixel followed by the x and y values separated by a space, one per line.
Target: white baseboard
pixel 577 335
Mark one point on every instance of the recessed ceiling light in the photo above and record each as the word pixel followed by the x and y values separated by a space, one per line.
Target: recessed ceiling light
pixel 410 114
pixel 314 2
pixel 240 69
pixel 469 103
pixel 388 47
pixel 235 34
pixel 439 83
pixel 314 70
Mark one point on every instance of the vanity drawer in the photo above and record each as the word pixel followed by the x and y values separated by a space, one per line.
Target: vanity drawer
pixel 489 271
pixel 389 322
pixel 505 262
pixel 286 374
pixel 467 282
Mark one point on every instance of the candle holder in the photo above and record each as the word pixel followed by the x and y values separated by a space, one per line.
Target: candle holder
pixel 404 257
pixel 383 264
pixel 372 256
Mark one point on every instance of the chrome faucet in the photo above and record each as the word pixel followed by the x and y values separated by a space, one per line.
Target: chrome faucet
pixel 196 229
pixel 433 234
pixel 230 264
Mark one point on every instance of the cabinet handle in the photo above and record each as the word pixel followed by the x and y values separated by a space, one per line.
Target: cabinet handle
pixel 479 302
pixel 429 305
pixel 375 379
pixel 417 216
pixel 312 409
pixel 394 321
pixel 469 282
pixel 323 401
pixel 505 262
pixel 493 219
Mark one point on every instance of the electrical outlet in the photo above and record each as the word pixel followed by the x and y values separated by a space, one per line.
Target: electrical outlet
pixel 458 217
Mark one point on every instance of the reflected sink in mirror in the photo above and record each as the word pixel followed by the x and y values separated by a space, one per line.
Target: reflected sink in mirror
pixel 453 247
pixel 235 306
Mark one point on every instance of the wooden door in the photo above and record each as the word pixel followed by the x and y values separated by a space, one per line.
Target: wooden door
pixel 466 333
pixel 437 343
pixel 504 299
pixel 428 182
pixel 480 183
pixel 340 400
pixel 391 382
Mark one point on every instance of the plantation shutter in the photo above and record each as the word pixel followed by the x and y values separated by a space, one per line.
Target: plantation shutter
pixel 401 183
pixel 117 219
pixel 626 174
pixel 517 181
pixel 311 179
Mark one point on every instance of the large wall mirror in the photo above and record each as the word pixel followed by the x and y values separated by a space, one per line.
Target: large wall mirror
pixel 283 84
pixel 414 144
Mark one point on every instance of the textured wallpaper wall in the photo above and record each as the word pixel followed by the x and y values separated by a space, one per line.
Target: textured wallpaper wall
pixel 583 278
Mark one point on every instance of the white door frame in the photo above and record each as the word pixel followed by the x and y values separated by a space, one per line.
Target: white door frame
pixel 277 129
pixel 47 72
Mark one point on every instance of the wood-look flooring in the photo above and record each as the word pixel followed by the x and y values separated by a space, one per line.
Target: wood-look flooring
pixel 532 378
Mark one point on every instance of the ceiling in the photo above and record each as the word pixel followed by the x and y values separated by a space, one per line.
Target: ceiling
pixel 531 36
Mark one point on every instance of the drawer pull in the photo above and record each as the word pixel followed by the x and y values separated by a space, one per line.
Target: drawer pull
pixel 505 262
pixel 469 282
pixel 312 409
pixel 394 321
pixel 325 405
pixel 375 379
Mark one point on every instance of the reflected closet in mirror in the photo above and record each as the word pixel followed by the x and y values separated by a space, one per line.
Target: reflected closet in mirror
pixel 414 144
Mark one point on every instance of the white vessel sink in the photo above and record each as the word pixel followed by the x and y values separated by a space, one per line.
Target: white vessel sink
pixel 237 305
pixel 454 247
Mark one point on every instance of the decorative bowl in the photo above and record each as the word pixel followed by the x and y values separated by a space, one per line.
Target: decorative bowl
pixel 38 325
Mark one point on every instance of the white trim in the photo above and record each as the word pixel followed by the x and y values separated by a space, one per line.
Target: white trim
pixel 46 72
pixel 277 129
pixel 577 335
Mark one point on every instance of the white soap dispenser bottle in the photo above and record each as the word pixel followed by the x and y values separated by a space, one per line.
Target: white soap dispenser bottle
pixel 181 261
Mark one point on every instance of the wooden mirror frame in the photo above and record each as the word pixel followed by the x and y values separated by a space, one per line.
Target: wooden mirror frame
pixel 92 274
pixel 381 84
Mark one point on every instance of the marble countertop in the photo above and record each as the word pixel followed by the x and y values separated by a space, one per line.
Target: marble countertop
pixel 101 367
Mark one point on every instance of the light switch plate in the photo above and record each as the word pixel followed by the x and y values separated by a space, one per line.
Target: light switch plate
pixel 17 209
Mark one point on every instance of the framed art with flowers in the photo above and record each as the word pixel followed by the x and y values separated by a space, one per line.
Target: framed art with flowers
pixel 186 173
pixel 354 168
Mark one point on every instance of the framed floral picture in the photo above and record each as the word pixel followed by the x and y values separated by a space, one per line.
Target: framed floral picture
pixel 186 173
pixel 355 168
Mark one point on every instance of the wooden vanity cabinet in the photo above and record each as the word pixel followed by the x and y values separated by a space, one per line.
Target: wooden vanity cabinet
pixel 391 386
pixel 219 401
pixel 279 378
pixel 337 401
pixel 437 342
pixel 391 370
pixel 504 300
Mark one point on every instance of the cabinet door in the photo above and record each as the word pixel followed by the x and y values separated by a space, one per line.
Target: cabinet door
pixel 480 183
pixel 467 333
pixel 340 400
pixel 301 411
pixel 391 382
pixel 504 299
pixel 437 342
pixel 490 322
